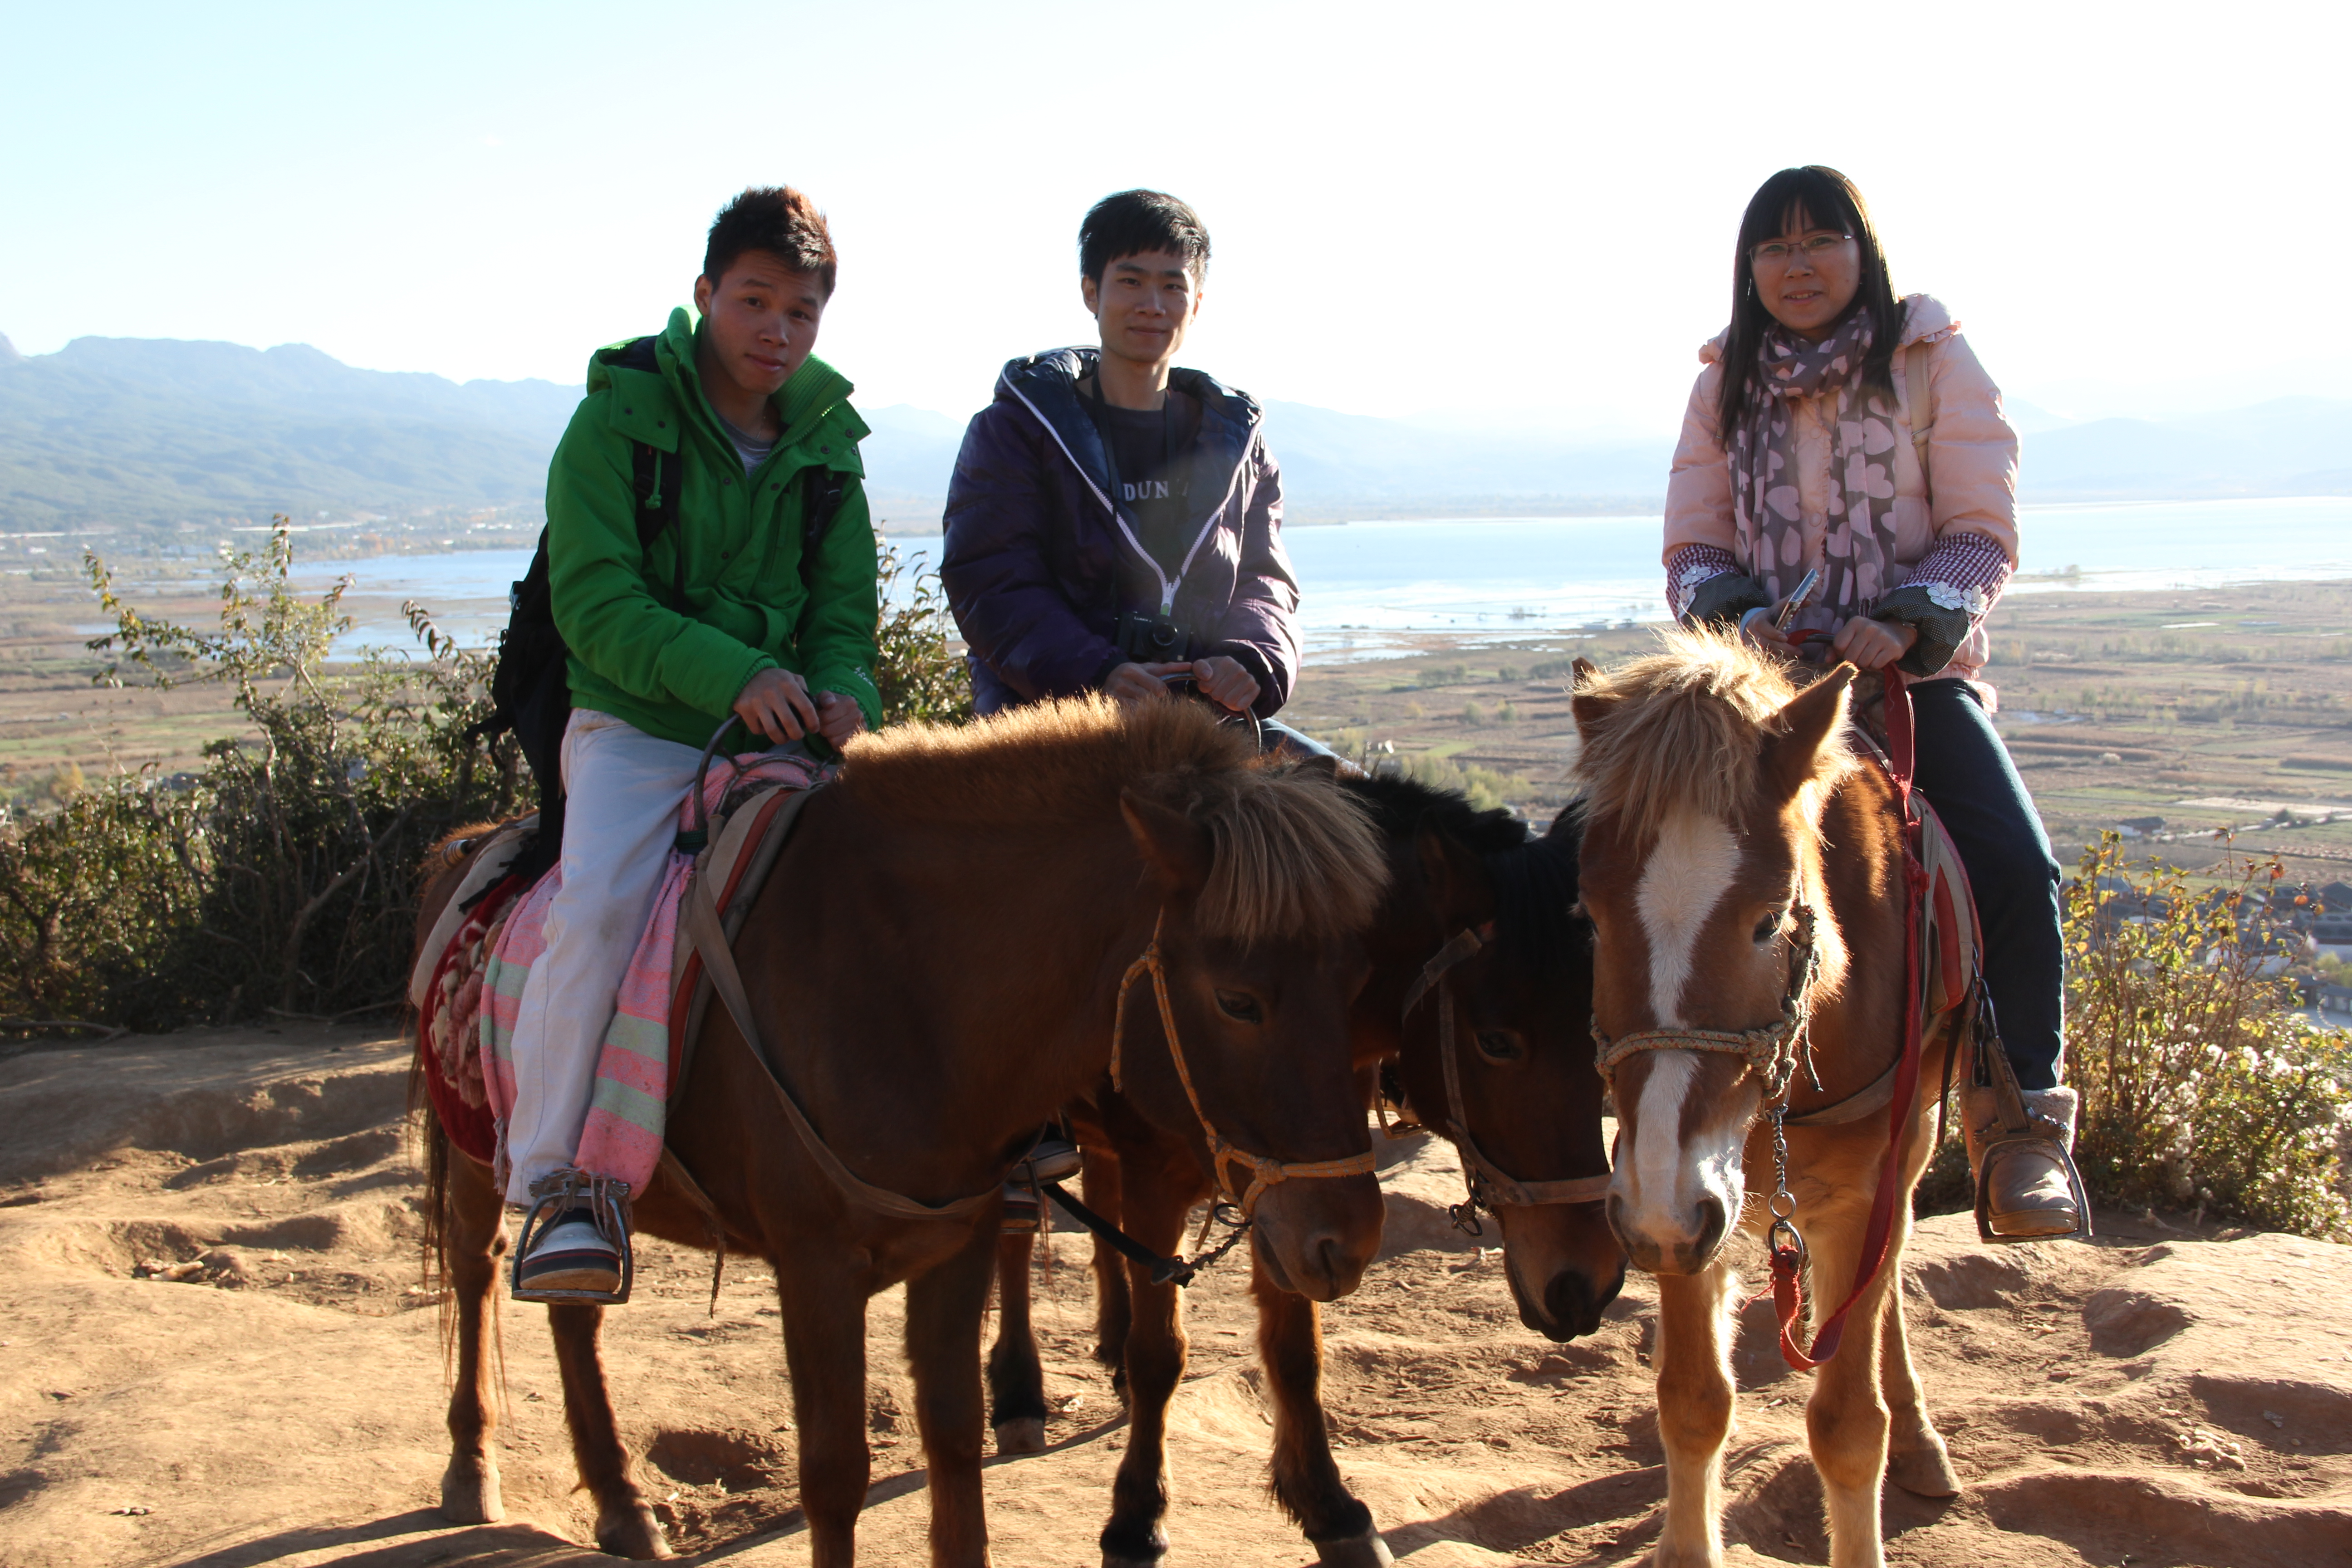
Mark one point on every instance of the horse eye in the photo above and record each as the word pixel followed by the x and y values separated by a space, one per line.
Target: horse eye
pixel 1242 1006
pixel 1499 1046
pixel 1769 927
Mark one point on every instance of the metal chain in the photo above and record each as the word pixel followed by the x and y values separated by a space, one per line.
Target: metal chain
pixel 1217 1211
pixel 1784 1218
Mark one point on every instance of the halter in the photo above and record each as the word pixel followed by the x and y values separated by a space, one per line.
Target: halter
pixel 1490 1186
pixel 1772 1049
pixel 1264 1172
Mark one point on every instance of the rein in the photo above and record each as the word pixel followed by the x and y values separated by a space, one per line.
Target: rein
pixel 1489 1185
pixel 1264 1172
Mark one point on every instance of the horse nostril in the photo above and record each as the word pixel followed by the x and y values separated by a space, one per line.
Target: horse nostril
pixel 1567 1301
pixel 1710 1225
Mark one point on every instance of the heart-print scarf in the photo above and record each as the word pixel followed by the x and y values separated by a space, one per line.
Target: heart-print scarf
pixel 1859 541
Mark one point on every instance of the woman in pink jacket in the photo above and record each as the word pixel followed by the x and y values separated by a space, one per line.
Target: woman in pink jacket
pixel 1797 454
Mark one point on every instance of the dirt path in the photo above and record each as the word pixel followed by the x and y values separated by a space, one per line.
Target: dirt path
pixel 281 1402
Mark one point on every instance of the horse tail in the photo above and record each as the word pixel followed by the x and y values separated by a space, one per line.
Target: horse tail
pixel 433 1262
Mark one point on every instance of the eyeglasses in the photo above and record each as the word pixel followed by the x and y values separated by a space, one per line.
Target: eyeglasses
pixel 1814 247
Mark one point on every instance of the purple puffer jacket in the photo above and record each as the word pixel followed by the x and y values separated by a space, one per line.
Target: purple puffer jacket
pixel 1037 569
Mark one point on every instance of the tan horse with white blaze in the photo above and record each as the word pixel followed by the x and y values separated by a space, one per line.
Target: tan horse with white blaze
pixel 1746 880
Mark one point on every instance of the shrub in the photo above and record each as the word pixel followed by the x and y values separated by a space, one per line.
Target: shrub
pixel 2201 1082
pixel 281 878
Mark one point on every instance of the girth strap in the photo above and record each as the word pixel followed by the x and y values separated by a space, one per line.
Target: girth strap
pixel 1489 1184
pixel 1264 1172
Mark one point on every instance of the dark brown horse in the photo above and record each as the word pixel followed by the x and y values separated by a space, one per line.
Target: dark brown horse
pixel 1521 1000
pixel 1745 877
pixel 935 965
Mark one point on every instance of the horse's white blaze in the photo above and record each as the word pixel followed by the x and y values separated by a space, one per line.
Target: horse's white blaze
pixel 1657 1131
pixel 1686 877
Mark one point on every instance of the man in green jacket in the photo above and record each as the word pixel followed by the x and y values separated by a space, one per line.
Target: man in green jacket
pixel 719 616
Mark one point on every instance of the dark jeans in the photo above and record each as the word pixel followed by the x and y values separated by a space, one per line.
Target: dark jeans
pixel 1966 775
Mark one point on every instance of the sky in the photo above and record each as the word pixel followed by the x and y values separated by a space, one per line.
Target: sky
pixel 1522 214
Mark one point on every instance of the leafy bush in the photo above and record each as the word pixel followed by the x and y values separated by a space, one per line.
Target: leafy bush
pixel 2201 1082
pixel 281 878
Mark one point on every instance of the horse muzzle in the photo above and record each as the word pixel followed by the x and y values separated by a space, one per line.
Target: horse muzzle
pixel 1688 1243
pixel 1316 1239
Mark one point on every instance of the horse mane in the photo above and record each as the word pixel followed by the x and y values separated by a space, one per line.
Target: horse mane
pixel 1293 856
pixel 1683 729
pixel 1400 804
pixel 1535 895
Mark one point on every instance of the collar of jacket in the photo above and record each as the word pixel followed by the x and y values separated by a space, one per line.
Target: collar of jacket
pixel 815 392
pixel 1046 384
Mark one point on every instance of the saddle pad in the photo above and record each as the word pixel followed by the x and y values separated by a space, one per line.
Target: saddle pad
pixel 496 852
pixel 1952 947
pixel 482 959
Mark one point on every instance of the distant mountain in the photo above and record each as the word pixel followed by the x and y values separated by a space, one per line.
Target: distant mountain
pixel 1333 466
pixel 2290 446
pixel 154 431
pixel 148 432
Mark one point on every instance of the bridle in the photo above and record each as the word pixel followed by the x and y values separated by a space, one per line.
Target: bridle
pixel 1264 1172
pixel 1772 1049
pixel 1491 1187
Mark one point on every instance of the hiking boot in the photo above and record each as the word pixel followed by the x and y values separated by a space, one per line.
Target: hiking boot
pixel 2028 1188
pixel 568 1253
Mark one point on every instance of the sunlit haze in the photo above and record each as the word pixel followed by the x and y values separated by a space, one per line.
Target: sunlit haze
pixel 1476 212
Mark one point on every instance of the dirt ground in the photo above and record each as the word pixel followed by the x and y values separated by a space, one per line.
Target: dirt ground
pixel 216 1354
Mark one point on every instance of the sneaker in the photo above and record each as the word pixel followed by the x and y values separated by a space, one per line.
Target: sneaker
pixel 571 1254
pixel 1052 1158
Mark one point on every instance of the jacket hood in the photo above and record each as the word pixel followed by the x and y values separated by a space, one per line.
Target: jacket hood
pixel 1046 385
pixel 1925 320
pixel 815 390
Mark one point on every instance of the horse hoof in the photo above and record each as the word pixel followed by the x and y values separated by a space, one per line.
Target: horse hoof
pixel 1365 1551
pixel 1925 1472
pixel 633 1532
pixel 470 1491
pixel 1022 1434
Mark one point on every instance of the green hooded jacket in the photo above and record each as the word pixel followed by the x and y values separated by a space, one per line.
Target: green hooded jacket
pixel 747 607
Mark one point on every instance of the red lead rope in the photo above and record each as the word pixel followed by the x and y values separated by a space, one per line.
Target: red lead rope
pixel 1789 1257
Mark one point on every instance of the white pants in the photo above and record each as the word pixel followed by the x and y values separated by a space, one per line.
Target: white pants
pixel 622 791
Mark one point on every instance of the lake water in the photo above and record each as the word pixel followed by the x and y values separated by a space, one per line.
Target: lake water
pixel 1370 588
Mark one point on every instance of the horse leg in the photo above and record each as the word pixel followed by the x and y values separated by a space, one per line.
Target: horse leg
pixel 1016 1376
pixel 944 1310
pixel 1103 1187
pixel 1155 1362
pixel 825 1348
pixel 1846 1418
pixel 473 1240
pixel 1916 1459
pixel 1305 1480
pixel 626 1526
pixel 1694 1393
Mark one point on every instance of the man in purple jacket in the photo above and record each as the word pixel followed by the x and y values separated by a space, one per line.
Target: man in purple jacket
pixel 1115 524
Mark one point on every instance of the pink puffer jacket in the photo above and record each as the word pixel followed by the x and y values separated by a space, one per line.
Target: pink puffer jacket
pixel 1971 451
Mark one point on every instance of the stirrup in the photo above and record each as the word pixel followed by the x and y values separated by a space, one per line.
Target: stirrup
pixel 557 1194
pixel 1985 1163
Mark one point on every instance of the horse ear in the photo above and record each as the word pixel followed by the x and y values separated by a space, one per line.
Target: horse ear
pixel 1322 763
pixel 1590 705
pixel 1800 731
pixel 1459 888
pixel 1176 848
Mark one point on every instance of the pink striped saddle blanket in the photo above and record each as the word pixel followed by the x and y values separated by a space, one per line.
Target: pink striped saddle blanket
pixel 468 982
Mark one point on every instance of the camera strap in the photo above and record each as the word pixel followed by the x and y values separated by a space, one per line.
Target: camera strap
pixel 1098 411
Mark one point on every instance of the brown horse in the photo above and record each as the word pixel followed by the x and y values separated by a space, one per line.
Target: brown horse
pixel 1745 877
pixel 1522 999
pixel 935 967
